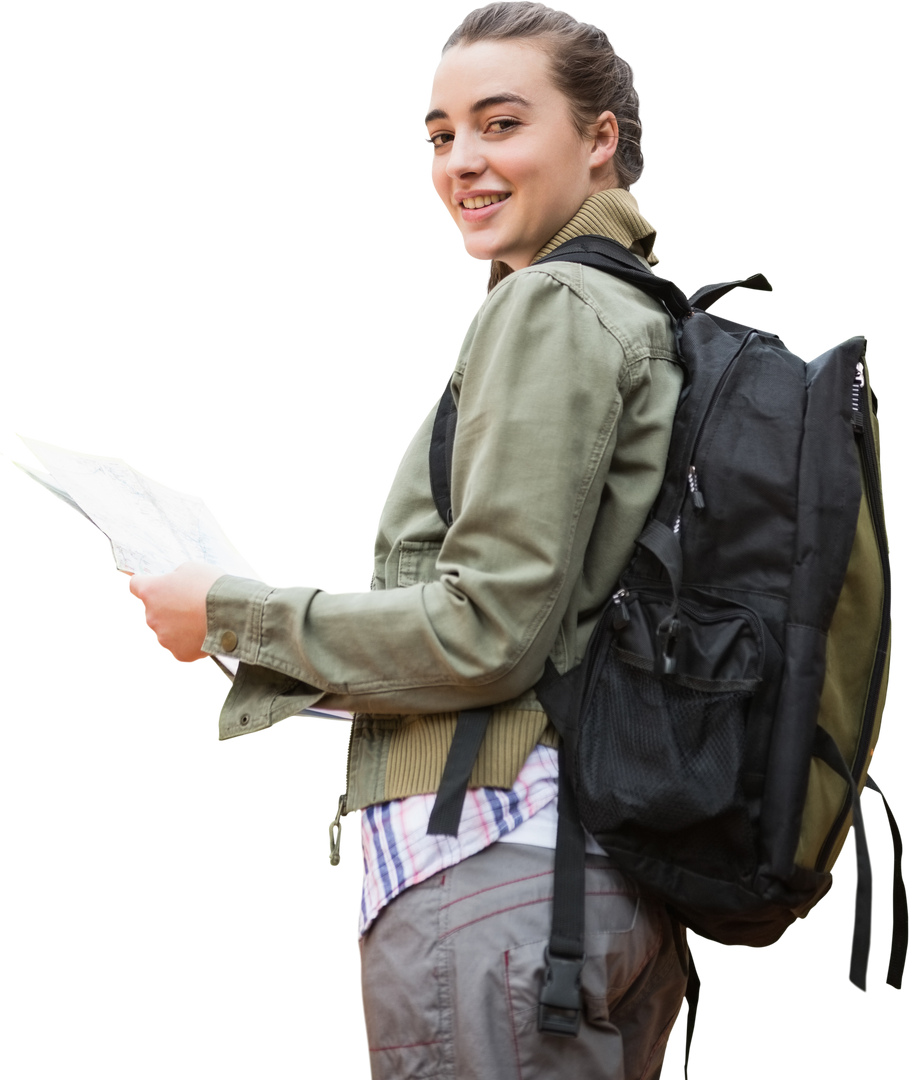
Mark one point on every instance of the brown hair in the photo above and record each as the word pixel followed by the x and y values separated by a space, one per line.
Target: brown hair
pixel 585 68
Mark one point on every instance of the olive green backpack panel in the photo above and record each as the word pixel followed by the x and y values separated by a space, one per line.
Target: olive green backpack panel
pixel 851 644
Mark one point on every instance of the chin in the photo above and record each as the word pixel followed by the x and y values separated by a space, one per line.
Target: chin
pixel 478 250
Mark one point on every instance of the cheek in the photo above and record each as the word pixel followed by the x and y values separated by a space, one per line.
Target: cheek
pixel 433 184
pixel 441 181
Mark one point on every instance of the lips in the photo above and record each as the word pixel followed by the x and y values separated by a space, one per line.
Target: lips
pixel 484 212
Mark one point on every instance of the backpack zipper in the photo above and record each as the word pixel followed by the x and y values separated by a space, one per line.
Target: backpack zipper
pixel 621 618
pixel 858 384
pixel 696 495
pixel 693 486
pixel 865 440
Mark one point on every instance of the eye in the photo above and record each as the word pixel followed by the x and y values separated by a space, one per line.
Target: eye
pixel 503 124
pixel 431 140
pixel 440 139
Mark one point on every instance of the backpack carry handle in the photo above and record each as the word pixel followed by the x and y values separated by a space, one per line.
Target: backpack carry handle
pixel 709 294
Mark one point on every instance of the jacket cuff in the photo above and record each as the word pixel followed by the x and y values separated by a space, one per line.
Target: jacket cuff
pixel 234 610
pixel 260 696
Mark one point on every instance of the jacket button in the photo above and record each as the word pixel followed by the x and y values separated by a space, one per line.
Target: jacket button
pixel 228 641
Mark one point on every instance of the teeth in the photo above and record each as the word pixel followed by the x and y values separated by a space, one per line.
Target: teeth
pixel 482 200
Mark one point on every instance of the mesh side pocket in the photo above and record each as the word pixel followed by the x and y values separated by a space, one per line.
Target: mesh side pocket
pixel 657 756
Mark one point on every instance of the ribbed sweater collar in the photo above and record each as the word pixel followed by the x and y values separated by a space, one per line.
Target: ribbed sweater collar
pixel 612 213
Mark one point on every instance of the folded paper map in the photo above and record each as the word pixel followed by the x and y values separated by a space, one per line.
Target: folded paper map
pixel 152 528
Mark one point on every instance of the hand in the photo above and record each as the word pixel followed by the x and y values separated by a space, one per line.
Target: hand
pixel 175 606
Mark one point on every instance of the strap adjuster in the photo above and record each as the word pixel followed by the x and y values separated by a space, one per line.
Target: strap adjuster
pixel 559 1011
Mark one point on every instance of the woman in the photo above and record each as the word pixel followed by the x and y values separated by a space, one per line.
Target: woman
pixel 565 388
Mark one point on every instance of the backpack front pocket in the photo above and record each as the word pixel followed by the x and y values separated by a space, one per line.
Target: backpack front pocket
pixel 662 754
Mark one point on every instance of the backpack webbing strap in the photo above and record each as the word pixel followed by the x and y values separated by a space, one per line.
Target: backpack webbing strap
pixel 663 543
pixel 446 813
pixel 898 950
pixel 559 1008
pixel 559 1011
pixel 862 939
pixel 693 994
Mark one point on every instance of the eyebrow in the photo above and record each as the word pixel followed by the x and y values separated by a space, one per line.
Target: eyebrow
pixel 479 106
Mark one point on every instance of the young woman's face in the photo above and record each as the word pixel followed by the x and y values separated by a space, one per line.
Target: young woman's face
pixel 509 163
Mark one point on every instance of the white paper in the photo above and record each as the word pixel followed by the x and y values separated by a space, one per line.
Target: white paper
pixel 150 527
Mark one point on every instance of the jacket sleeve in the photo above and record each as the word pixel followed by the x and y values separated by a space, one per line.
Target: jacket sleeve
pixel 540 386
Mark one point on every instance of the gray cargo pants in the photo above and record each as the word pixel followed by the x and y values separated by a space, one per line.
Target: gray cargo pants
pixel 452 971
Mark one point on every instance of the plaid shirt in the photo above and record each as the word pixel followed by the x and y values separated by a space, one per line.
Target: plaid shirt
pixel 397 852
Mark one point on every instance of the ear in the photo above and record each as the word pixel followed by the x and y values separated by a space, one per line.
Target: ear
pixel 605 133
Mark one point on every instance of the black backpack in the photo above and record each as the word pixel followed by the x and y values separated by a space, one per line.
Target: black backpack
pixel 717 734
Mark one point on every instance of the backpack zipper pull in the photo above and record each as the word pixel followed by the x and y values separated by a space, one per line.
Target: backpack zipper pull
pixel 620 616
pixel 696 495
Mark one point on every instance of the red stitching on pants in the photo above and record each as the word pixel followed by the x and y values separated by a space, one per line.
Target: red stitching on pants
pixel 499 885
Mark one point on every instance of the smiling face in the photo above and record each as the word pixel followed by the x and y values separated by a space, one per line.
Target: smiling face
pixel 509 163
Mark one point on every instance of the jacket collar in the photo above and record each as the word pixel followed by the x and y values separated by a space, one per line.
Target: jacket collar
pixel 614 214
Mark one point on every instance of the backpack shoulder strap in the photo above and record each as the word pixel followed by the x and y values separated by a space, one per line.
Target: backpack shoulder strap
pixel 441 445
pixel 602 254
pixel 610 257
pixel 596 251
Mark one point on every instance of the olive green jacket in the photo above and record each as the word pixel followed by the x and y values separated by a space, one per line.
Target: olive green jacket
pixel 566 389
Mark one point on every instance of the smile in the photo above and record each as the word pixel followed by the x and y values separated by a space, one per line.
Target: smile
pixel 480 213
pixel 483 200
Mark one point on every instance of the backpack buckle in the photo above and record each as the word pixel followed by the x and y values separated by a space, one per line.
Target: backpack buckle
pixel 668 633
pixel 559 1011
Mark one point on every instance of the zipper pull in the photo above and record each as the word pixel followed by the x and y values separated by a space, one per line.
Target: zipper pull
pixel 334 832
pixel 696 496
pixel 620 616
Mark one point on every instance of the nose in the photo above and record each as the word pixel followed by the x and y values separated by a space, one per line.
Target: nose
pixel 465 158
